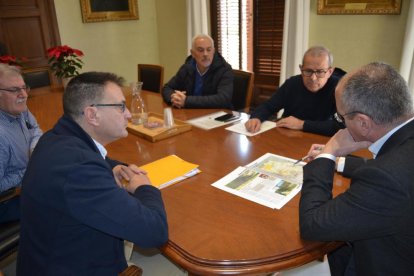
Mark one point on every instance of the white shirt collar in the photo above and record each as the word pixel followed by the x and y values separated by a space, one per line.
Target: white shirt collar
pixel 101 148
pixel 377 145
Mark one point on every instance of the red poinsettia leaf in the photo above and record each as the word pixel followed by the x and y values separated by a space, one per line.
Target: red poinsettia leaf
pixel 63 60
pixel 53 52
pixel 77 52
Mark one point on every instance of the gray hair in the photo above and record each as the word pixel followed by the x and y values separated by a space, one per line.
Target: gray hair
pixel 201 36
pixel 8 71
pixel 86 89
pixel 378 91
pixel 316 51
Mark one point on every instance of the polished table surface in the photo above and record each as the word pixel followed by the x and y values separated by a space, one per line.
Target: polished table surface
pixel 212 232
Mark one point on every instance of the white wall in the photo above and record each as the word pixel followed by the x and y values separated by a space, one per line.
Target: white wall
pixel 359 39
pixel 159 36
pixel 172 35
pixel 114 46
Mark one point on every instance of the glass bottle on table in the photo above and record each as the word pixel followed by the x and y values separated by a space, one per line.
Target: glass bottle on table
pixel 139 115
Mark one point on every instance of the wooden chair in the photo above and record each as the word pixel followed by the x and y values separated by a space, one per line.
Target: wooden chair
pixel 131 270
pixel 9 231
pixel 152 77
pixel 38 77
pixel 242 90
pixel 339 72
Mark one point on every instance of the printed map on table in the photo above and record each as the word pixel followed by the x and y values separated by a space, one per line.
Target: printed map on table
pixel 271 180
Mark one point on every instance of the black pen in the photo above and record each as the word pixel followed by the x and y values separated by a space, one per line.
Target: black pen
pixel 307 156
pixel 302 159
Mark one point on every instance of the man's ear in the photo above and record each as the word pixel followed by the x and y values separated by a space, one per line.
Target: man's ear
pixel 365 124
pixel 91 115
pixel 330 71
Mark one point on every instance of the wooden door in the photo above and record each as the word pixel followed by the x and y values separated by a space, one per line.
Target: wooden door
pixel 27 29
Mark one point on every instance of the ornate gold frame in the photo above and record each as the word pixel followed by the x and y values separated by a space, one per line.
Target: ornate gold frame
pixel 90 16
pixel 357 7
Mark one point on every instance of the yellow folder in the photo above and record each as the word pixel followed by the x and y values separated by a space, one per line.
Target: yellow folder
pixel 169 170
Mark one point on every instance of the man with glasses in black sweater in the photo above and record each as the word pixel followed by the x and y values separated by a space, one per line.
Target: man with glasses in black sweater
pixel 308 99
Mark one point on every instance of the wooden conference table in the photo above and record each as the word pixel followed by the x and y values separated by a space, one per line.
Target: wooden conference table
pixel 212 232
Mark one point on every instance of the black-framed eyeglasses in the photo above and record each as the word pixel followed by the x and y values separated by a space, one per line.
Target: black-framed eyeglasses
pixel 320 73
pixel 16 90
pixel 341 118
pixel 122 106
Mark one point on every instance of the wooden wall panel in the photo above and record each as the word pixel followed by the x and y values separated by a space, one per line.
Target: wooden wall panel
pixel 27 29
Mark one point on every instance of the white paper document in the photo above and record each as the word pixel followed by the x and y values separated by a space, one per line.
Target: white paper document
pixel 240 128
pixel 270 180
pixel 209 122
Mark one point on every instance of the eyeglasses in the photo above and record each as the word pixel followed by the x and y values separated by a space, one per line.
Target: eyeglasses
pixel 341 118
pixel 320 73
pixel 16 90
pixel 121 105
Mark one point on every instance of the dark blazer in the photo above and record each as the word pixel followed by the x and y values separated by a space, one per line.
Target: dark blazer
pixel 376 214
pixel 74 216
pixel 217 88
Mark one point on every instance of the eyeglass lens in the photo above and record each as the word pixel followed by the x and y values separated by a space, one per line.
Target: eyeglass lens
pixel 16 89
pixel 318 73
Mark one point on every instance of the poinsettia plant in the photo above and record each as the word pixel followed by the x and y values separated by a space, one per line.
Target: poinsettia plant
pixel 11 60
pixel 64 61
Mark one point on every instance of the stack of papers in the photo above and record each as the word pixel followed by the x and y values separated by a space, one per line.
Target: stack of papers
pixel 240 128
pixel 169 170
pixel 208 121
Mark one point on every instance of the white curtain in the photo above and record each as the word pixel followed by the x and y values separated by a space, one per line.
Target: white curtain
pixel 407 59
pixel 295 36
pixel 197 19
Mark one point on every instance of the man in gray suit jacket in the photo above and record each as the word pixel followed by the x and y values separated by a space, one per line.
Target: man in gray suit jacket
pixel 375 216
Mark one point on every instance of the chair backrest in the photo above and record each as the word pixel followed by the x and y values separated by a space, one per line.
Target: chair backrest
pixel 242 90
pixel 37 77
pixel 9 231
pixel 339 72
pixel 152 76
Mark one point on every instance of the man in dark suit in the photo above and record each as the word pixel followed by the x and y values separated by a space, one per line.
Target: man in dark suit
pixel 77 204
pixel 375 216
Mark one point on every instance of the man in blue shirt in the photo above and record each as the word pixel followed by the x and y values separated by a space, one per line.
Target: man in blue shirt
pixel 205 80
pixel 19 133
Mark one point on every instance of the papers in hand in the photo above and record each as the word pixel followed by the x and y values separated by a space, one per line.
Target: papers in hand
pixel 169 170
pixel 270 180
pixel 208 121
pixel 240 128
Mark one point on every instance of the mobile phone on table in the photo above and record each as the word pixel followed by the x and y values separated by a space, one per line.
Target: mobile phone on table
pixel 225 118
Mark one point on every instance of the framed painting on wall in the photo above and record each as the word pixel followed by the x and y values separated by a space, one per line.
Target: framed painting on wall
pixel 108 10
pixel 359 6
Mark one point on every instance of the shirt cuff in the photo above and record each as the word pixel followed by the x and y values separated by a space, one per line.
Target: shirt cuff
pixel 326 155
pixel 340 164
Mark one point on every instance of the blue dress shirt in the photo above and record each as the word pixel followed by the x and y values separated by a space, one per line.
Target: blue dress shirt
pixel 18 137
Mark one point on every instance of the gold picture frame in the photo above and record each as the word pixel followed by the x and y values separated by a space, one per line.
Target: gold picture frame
pixel 359 7
pixel 109 10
